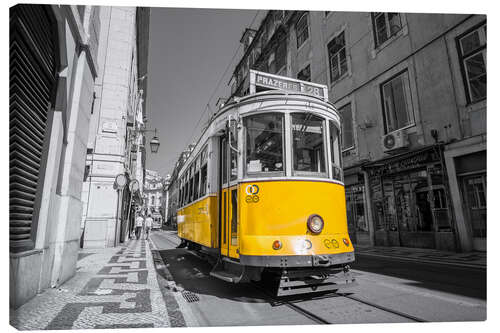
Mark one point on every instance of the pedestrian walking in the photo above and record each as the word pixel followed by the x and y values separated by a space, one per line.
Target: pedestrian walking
pixel 138 225
pixel 149 225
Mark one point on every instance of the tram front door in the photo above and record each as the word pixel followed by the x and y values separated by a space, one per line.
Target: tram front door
pixel 228 200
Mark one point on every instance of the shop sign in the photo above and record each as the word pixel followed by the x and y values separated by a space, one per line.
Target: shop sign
pixel 415 161
pixel 355 188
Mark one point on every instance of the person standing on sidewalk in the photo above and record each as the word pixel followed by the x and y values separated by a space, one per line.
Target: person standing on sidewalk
pixel 149 225
pixel 138 225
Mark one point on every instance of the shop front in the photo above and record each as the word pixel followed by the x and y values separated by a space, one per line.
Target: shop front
pixel 356 208
pixel 410 201
pixel 466 166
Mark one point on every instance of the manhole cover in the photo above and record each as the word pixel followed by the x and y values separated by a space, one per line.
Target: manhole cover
pixel 190 297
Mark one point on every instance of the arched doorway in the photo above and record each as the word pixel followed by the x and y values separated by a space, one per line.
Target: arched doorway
pixel 33 64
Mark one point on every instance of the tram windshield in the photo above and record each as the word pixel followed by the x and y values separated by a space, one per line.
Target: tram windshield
pixel 335 153
pixel 266 153
pixel 308 145
pixel 264 143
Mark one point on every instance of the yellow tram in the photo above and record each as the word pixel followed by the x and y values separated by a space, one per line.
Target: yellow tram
pixel 262 190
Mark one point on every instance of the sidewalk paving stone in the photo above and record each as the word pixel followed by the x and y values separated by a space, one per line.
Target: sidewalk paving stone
pixel 112 288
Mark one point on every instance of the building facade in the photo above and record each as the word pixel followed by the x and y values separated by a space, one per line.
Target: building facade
pixel 116 143
pixel 411 92
pixel 53 66
pixel 154 196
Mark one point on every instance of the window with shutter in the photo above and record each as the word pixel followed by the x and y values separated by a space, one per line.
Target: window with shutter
pixel 32 79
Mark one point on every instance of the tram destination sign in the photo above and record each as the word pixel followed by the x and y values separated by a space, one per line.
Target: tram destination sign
pixel 266 80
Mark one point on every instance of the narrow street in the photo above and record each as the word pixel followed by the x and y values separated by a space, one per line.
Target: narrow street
pixel 389 291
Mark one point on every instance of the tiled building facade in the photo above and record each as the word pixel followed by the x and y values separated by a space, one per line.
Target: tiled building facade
pixel 411 91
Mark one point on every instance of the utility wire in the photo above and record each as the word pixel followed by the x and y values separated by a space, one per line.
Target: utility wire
pixel 207 107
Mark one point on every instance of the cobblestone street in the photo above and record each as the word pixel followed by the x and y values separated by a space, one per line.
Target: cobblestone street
pixel 113 288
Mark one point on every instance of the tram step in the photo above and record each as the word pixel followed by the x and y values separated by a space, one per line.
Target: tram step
pixel 226 276
pixel 228 271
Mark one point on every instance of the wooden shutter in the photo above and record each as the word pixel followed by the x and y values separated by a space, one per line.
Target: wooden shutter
pixel 32 79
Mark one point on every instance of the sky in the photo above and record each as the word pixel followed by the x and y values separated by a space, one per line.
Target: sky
pixel 189 50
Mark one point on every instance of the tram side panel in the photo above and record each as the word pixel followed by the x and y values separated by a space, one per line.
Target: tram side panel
pixel 200 219
pixel 279 211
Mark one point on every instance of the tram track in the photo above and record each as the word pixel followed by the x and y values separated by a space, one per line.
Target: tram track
pixel 309 314
pixel 321 320
pixel 386 309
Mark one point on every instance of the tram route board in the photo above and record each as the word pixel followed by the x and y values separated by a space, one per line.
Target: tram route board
pixel 266 80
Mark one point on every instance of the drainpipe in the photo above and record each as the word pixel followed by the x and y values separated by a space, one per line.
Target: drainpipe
pixel 371 224
pixel 117 223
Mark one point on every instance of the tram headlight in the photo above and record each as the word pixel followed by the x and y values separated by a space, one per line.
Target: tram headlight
pixel 315 224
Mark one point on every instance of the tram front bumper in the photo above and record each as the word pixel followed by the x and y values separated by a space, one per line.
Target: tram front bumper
pixel 318 260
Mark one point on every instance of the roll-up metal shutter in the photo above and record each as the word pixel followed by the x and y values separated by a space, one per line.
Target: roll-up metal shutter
pixel 32 79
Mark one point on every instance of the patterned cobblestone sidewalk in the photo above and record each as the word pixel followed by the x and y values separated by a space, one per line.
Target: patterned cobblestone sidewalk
pixel 113 288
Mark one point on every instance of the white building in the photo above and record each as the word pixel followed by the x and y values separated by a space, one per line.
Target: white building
pixel 53 65
pixel 115 146
pixel 154 195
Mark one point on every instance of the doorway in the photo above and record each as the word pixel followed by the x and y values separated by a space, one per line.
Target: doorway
pixel 228 200
pixel 474 190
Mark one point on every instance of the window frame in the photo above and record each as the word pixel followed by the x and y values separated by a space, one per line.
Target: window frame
pixel 305 31
pixel 387 26
pixel 312 174
pixel 409 103
pixel 342 149
pixel 304 68
pixel 331 143
pixel 337 55
pixel 264 174
pixel 462 57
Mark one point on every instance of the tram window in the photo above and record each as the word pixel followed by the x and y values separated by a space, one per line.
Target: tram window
pixel 224 161
pixel 234 158
pixel 308 144
pixel 183 190
pixel 335 148
pixel 186 190
pixel 191 189
pixel 203 181
pixel 264 143
pixel 196 185
pixel 203 172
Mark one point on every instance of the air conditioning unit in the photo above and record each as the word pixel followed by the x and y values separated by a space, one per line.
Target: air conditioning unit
pixel 395 141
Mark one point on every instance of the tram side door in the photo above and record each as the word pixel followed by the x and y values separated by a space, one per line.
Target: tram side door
pixel 223 196
pixel 228 202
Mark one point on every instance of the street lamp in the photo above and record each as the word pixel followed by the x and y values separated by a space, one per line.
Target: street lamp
pixel 155 144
